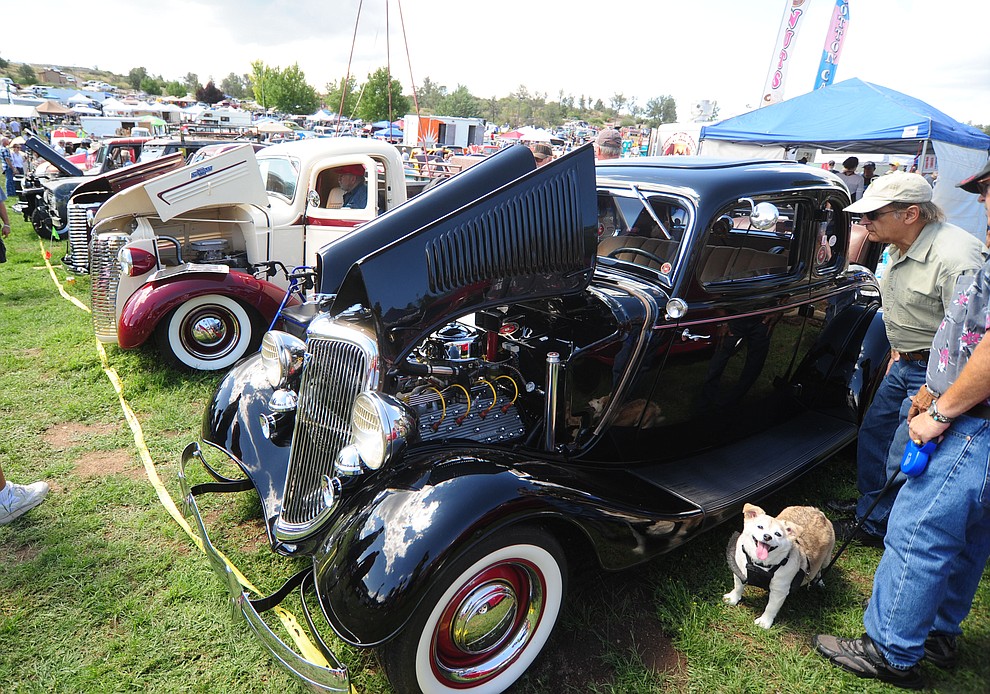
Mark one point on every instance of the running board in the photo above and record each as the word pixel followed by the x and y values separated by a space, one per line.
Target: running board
pixel 720 481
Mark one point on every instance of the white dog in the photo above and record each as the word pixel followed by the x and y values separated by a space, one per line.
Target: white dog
pixel 778 554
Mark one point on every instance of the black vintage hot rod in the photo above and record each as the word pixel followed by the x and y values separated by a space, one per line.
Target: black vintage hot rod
pixel 521 367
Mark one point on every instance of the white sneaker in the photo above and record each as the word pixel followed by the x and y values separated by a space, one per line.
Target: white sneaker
pixel 18 499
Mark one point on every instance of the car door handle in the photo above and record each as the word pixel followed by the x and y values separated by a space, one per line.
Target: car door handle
pixel 686 335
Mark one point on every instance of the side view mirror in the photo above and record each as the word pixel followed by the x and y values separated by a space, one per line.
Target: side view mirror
pixel 762 216
pixel 313 198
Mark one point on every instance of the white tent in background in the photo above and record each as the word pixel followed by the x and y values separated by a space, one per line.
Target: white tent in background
pixel 85 111
pixel 322 115
pixel 78 98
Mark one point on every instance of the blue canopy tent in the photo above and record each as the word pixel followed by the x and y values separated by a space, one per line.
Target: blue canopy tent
pixel 857 116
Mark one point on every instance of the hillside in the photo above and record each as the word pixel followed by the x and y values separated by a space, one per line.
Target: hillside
pixel 81 74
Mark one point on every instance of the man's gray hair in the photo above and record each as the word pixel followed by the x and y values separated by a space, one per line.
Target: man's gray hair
pixel 930 212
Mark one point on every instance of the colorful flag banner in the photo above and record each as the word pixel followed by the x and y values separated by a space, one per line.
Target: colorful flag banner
pixel 773 91
pixel 833 44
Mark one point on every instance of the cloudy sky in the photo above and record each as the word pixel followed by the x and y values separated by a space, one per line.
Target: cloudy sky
pixel 693 50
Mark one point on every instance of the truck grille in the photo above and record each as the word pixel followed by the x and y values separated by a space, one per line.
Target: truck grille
pixel 77 259
pixel 105 275
pixel 337 370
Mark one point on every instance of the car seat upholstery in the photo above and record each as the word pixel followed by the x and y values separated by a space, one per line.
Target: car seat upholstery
pixel 720 263
pixel 662 248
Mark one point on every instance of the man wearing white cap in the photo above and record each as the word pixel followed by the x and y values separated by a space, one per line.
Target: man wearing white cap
pixel 927 256
pixel 939 536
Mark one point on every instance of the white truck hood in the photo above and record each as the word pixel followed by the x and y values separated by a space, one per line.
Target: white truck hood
pixel 230 178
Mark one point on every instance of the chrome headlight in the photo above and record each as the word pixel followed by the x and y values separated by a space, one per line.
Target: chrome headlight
pixel 380 428
pixel 282 357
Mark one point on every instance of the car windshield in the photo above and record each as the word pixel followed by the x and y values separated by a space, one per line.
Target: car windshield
pixel 150 152
pixel 642 228
pixel 280 175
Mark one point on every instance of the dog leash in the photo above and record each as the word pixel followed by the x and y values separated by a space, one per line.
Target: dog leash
pixel 913 463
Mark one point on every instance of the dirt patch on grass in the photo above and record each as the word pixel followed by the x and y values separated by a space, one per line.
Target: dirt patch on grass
pixel 67 434
pixel 18 554
pixel 103 463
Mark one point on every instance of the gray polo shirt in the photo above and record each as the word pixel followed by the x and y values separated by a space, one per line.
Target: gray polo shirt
pixel 965 324
pixel 917 287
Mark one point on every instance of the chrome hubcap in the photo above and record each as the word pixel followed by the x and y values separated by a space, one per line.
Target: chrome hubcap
pixel 208 331
pixel 484 618
pixel 489 623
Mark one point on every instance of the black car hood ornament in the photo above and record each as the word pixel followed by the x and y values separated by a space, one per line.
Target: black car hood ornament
pixel 531 237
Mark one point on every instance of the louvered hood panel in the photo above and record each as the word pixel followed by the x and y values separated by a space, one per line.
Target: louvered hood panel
pixel 532 238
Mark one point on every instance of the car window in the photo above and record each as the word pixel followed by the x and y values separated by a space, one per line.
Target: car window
pixel 150 152
pixel 280 176
pixel 642 229
pixel 735 250
pixel 830 236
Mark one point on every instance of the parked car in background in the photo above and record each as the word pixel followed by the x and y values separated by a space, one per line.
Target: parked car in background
pixel 524 370
pixel 48 188
pixel 187 146
pixel 175 259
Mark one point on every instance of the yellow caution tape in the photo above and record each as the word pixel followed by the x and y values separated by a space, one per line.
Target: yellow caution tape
pixel 289 621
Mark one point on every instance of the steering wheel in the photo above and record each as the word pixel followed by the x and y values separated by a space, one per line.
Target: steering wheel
pixel 640 251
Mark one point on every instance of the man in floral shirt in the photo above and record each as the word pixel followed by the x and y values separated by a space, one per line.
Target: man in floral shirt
pixel 938 532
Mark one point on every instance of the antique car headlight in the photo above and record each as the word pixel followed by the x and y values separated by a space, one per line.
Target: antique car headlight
pixel 380 428
pixel 282 357
pixel 136 261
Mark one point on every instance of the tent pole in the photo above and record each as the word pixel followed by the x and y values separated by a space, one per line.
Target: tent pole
pixel 924 153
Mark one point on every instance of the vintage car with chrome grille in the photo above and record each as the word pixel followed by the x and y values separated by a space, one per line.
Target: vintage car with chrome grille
pixel 528 369
pixel 180 259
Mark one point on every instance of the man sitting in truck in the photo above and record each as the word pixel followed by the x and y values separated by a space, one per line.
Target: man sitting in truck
pixel 350 179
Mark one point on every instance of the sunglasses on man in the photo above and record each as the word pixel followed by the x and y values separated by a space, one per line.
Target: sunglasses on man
pixel 983 186
pixel 873 216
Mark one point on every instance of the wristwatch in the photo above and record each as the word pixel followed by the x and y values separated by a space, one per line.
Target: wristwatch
pixel 938 416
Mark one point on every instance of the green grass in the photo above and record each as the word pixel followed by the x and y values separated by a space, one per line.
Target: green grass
pixel 101 591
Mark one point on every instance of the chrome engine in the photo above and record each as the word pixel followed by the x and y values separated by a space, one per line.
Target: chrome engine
pixel 462 383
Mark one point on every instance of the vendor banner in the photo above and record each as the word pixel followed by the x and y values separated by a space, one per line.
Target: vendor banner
pixel 790 24
pixel 834 38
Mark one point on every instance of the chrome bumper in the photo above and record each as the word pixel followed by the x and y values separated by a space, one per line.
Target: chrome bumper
pixel 324 678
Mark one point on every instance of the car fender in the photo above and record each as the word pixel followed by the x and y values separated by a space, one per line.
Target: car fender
pixel 145 308
pixel 383 553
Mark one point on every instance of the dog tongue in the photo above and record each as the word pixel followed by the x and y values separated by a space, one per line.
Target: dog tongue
pixel 762 550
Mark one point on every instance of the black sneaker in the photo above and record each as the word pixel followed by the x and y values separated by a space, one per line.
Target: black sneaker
pixel 845 507
pixel 941 650
pixel 3 250
pixel 847 529
pixel 862 658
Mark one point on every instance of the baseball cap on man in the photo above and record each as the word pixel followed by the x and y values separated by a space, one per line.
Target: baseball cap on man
pixel 898 186
pixel 969 185
pixel 609 137
pixel 354 169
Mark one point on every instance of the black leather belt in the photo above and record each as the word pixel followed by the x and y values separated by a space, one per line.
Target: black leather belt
pixel 979 411
pixel 920 355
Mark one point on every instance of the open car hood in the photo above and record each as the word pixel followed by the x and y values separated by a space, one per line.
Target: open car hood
pixel 530 237
pixel 230 178
pixel 95 188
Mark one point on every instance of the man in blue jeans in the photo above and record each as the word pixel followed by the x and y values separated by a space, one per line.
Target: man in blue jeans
pixel 938 533
pixel 927 255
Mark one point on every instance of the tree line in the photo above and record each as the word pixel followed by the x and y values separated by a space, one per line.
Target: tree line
pixel 380 97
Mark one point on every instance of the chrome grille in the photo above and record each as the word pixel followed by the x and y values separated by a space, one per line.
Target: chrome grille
pixel 105 273
pixel 77 259
pixel 337 370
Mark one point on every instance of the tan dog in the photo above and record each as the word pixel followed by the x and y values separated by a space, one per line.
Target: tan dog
pixel 778 554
